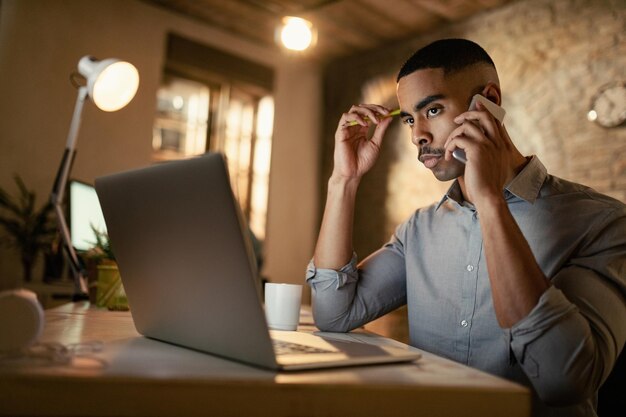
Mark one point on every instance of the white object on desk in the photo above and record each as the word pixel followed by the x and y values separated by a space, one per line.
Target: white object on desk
pixel 21 319
pixel 282 305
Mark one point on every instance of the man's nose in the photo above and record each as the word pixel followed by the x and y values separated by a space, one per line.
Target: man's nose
pixel 420 136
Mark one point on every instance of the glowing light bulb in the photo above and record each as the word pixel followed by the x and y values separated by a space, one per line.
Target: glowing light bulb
pixel 297 34
pixel 115 86
pixel 592 116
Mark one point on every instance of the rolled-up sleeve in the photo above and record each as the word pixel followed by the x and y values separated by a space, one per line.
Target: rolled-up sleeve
pixel 354 295
pixel 331 300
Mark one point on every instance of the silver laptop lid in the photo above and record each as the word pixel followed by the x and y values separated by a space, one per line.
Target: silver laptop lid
pixel 184 258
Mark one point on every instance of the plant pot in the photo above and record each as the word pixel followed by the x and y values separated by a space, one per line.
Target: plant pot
pixel 110 291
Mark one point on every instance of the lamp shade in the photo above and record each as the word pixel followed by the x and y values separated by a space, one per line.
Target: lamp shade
pixel 111 83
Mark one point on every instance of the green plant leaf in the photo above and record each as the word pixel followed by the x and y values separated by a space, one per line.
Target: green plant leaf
pixel 28 230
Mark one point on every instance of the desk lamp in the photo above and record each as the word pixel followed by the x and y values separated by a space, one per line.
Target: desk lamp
pixel 111 84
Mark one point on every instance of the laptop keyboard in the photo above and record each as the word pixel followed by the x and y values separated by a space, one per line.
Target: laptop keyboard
pixel 290 348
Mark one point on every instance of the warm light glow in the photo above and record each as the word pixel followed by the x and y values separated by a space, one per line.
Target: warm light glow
pixel 261 167
pixel 178 102
pixel 265 117
pixel 197 111
pixel 297 33
pixel 111 83
pixel 592 116
pixel 116 86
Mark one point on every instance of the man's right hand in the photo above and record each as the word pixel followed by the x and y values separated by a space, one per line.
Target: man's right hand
pixel 355 154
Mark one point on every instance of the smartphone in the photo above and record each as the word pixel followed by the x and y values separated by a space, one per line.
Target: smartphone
pixel 496 111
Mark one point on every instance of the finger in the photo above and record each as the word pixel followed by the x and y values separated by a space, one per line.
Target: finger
pixel 468 145
pixel 467 135
pixel 485 120
pixel 373 112
pixel 352 119
pixel 451 142
pixel 374 107
pixel 357 115
pixel 468 130
pixel 379 132
pixel 456 142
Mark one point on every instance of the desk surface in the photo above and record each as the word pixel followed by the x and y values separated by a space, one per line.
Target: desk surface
pixel 117 372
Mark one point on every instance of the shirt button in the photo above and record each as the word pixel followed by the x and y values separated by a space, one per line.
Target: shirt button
pixel 464 323
pixel 470 268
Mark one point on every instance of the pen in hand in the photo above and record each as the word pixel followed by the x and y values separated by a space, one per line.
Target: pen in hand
pixel 391 114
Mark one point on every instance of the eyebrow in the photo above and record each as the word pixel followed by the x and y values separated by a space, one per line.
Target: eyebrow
pixel 423 103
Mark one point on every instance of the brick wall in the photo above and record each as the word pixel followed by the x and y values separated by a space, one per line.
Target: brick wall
pixel 552 56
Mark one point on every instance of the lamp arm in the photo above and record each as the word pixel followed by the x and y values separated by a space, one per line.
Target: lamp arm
pixel 78 272
pixel 58 192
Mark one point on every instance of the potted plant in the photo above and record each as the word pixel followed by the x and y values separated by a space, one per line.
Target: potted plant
pixel 101 252
pixel 28 229
pixel 104 275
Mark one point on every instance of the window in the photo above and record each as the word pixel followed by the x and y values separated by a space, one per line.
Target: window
pixel 212 101
pixel 248 146
pixel 181 123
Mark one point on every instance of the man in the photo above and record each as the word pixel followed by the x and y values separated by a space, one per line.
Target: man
pixel 515 272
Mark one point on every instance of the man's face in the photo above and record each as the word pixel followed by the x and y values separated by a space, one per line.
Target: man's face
pixel 429 102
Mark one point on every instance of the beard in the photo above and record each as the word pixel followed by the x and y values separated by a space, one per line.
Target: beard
pixel 444 170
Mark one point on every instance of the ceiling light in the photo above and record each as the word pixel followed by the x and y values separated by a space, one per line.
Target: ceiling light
pixel 296 34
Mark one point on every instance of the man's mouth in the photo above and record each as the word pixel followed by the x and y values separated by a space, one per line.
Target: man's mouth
pixel 430 156
pixel 430 160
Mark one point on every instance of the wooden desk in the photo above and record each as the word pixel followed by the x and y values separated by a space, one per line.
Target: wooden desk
pixel 135 376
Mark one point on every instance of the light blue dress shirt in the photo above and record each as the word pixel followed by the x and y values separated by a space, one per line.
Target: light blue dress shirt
pixel 435 263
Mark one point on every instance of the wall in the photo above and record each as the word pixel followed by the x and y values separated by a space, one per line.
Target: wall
pixel 552 56
pixel 40 45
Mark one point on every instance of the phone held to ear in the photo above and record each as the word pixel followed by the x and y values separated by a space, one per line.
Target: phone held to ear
pixel 495 110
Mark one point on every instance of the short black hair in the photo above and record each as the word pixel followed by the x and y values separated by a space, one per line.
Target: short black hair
pixel 449 54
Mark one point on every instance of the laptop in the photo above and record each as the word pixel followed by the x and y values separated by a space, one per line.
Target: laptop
pixel 185 258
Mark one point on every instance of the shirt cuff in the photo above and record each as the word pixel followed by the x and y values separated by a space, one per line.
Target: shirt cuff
pixel 345 275
pixel 551 309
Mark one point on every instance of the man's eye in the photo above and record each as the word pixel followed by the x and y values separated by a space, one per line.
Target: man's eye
pixel 433 111
pixel 408 121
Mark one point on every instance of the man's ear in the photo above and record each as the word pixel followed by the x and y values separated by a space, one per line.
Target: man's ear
pixel 492 93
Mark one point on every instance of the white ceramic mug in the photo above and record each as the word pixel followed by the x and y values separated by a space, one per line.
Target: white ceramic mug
pixel 282 305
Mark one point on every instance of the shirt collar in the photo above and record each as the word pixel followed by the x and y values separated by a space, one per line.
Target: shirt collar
pixel 453 193
pixel 526 185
